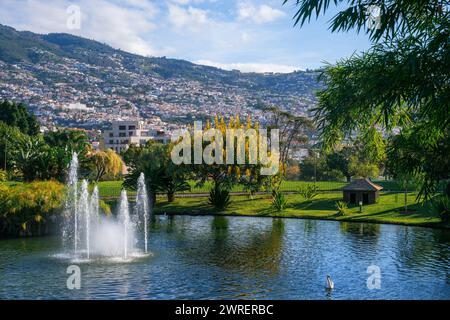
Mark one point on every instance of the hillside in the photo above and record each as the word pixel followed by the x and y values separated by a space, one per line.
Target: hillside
pixel 50 71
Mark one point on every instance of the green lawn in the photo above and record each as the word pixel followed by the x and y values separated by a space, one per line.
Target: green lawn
pixel 112 188
pixel 322 207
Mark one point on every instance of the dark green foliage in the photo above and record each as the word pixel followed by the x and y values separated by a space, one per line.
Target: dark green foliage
pixel 16 46
pixel 38 157
pixel 161 174
pixel 316 168
pixel 219 197
pixel 9 136
pixel 340 161
pixel 62 144
pixel 421 152
pixel 441 205
pixel 16 115
pixel 401 82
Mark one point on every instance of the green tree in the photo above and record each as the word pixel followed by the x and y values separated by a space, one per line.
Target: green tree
pixel 363 168
pixel 62 143
pixel 16 115
pixel 315 168
pixel 340 160
pixel 30 158
pixel 358 158
pixel 106 162
pixel 161 175
pixel 421 155
pixel 401 82
pixel 9 136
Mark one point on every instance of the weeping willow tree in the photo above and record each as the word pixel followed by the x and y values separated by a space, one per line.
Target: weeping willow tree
pixel 399 87
pixel 106 162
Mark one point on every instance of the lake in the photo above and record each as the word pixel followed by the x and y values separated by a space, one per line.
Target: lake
pixel 208 257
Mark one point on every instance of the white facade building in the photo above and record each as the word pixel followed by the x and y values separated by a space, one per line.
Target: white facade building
pixel 124 133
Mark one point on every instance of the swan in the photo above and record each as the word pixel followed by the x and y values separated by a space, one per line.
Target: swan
pixel 330 283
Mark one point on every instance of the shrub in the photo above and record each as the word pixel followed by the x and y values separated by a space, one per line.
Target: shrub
pixel 441 205
pixel 308 192
pixel 219 197
pixel 26 207
pixel 3 176
pixel 279 202
pixel 342 208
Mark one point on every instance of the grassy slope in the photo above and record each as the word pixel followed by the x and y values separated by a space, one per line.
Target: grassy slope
pixel 386 211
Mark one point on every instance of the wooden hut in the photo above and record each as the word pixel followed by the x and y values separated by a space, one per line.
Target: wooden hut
pixel 361 190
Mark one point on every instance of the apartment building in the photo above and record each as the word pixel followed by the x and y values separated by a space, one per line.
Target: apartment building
pixel 124 133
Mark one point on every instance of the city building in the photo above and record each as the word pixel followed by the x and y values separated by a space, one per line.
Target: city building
pixel 122 134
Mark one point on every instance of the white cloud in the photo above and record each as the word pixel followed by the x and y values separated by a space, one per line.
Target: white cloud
pixel 250 67
pixel 192 18
pixel 258 14
pixel 156 28
pixel 122 25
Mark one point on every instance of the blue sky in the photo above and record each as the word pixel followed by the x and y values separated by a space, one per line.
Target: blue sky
pixel 249 35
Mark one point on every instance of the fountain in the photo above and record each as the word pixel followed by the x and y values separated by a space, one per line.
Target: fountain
pixel 94 235
pixel 142 208
pixel 70 226
pixel 84 212
pixel 124 218
pixel 95 209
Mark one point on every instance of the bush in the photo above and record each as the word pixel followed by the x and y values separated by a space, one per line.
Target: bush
pixel 3 175
pixel 441 205
pixel 219 197
pixel 26 208
pixel 342 208
pixel 279 202
pixel 308 192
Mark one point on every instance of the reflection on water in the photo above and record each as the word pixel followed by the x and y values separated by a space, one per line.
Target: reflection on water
pixel 360 229
pixel 239 257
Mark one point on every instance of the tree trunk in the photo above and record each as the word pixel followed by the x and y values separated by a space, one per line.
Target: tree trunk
pixel 349 178
pixel 170 196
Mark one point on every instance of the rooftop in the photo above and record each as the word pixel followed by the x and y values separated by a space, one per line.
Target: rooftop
pixel 362 185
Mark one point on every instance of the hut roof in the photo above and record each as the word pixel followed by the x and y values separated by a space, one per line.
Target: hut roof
pixel 362 185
